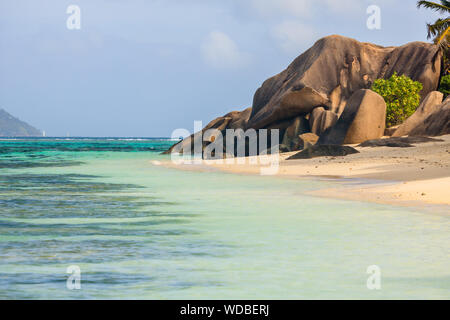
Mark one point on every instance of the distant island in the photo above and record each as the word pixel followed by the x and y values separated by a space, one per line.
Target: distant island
pixel 13 127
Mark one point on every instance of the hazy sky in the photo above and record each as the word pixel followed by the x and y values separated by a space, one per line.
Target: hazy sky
pixel 147 67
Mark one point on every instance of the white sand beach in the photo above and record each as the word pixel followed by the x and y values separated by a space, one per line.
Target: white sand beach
pixel 401 176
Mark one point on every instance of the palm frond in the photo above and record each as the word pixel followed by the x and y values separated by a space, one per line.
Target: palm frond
pixel 442 8
pixel 442 39
pixel 437 28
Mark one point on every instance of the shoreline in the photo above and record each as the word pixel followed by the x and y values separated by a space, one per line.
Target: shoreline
pixel 415 176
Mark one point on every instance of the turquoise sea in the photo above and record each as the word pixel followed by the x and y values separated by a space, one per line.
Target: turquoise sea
pixel 142 231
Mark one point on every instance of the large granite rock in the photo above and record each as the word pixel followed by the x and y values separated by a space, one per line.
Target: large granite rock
pixel 333 69
pixel 233 120
pixel 307 140
pixel 220 124
pixel 436 124
pixel 390 131
pixel 321 120
pixel 239 119
pixel 319 84
pixel 291 135
pixel 363 119
pixel 430 104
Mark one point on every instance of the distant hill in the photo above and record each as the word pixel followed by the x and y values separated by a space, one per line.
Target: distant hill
pixel 13 127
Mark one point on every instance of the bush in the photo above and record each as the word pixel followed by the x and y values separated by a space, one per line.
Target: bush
pixel 445 85
pixel 402 97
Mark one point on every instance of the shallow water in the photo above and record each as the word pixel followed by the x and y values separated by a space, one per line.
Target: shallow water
pixel 142 231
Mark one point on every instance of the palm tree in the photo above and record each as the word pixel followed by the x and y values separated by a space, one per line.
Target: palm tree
pixel 439 30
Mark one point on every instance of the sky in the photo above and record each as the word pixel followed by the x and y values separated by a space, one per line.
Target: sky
pixel 143 68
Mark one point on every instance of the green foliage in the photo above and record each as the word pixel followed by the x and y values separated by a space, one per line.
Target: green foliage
pixel 402 97
pixel 442 7
pixel 445 85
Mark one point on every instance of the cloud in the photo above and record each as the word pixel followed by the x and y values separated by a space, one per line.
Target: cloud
pixel 293 36
pixel 220 51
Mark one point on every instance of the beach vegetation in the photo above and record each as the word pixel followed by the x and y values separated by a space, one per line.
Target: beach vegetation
pixel 401 95
pixel 444 86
